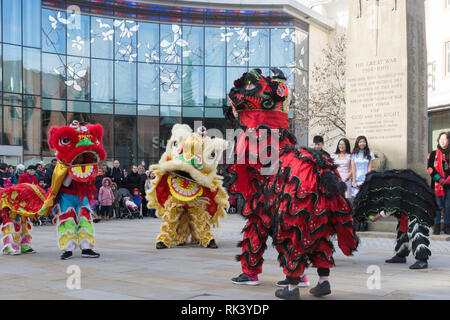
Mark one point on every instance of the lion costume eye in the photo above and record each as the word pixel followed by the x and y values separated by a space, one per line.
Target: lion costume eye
pixel 212 155
pixel 64 141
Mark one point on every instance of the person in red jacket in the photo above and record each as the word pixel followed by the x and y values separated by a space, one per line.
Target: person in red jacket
pixel 30 176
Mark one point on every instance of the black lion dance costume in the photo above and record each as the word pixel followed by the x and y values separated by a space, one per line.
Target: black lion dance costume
pixel 293 195
pixel 408 197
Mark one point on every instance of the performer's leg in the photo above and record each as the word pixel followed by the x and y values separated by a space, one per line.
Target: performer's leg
pixel 25 235
pixel 85 229
pixel 171 219
pixel 291 291
pixel 67 230
pixel 420 241
pixel 184 230
pixel 402 247
pixel 66 224
pixel 11 230
pixel 292 269
pixel 322 259
pixel 253 246
pixel 200 226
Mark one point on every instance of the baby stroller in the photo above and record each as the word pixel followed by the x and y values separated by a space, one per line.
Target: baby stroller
pixel 127 208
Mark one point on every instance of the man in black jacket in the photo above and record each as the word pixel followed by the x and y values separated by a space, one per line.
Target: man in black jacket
pixel 133 180
pixel 117 175
pixel 49 173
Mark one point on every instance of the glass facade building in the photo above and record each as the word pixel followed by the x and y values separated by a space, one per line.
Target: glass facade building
pixel 137 68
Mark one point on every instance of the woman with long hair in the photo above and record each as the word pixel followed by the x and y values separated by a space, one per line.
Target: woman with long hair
pixel 341 158
pixel 361 163
pixel 438 168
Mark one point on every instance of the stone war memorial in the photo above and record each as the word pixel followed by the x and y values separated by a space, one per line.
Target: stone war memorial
pixel 386 80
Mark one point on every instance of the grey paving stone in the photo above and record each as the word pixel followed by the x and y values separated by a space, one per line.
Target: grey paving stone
pixel 130 267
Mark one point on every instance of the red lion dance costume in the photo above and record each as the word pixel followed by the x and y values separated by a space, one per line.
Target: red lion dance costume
pixel 78 150
pixel 299 203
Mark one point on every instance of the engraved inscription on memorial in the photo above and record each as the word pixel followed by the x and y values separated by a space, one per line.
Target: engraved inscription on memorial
pixel 376 96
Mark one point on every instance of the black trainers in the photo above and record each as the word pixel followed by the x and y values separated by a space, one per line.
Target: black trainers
pixel 66 255
pixel 322 289
pixel 287 294
pixel 212 244
pixel 437 229
pixel 160 245
pixel 89 253
pixel 303 282
pixel 246 279
pixel 283 283
pixel 419 264
pixel 396 259
pixel 447 229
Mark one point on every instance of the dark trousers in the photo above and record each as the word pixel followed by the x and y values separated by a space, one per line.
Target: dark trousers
pixel 443 203
pixel 105 211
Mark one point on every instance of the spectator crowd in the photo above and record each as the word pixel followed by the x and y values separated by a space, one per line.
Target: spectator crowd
pixel 353 165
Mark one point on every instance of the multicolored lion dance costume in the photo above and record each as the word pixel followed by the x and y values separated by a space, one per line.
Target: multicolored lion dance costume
pixel 78 150
pixel 18 207
pixel 187 193
pixel 296 197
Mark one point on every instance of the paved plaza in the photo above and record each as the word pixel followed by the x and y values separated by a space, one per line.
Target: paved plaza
pixel 131 268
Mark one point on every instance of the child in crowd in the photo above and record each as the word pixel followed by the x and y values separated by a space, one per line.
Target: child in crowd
pixel 116 202
pixel 20 170
pixel 106 198
pixel 41 183
pixel 137 198
pixel 130 204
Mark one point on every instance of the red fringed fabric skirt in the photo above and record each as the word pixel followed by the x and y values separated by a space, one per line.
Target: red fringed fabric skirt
pixel 301 205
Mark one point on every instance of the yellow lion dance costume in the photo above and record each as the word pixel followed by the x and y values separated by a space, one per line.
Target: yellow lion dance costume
pixel 187 193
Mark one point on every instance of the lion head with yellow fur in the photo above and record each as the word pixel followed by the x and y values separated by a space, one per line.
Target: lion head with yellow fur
pixel 186 175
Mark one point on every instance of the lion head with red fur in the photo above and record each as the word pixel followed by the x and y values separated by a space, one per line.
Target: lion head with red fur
pixel 80 147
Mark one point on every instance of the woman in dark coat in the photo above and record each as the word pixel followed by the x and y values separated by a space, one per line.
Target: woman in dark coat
pixel 439 170
pixel 133 179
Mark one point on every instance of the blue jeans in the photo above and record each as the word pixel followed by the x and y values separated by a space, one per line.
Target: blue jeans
pixel 443 203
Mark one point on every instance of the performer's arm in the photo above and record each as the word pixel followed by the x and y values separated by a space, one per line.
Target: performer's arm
pixel 67 181
pixel 350 175
pixel 352 163
pixel 382 214
pixel 370 166
pixel 372 157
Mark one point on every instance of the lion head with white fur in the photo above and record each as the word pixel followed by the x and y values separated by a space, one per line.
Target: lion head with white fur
pixel 187 172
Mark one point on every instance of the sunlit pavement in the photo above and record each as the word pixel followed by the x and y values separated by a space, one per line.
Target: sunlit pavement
pixel 130 267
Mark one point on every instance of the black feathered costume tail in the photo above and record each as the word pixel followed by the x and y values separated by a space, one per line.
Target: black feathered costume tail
pixel 411 199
